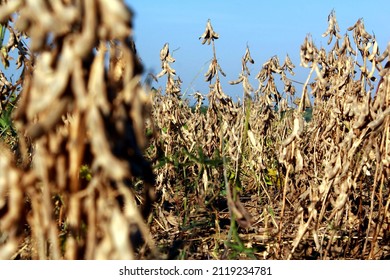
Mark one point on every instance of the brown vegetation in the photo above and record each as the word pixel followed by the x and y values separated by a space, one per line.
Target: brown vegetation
pixel 99 169
pixel 81 126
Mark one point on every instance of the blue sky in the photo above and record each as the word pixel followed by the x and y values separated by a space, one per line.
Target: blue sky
pixel 268 27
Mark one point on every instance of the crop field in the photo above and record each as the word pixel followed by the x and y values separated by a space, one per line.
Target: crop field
pixel 96 164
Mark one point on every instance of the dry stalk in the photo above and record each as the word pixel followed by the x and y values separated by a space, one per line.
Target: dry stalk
pixel 78 114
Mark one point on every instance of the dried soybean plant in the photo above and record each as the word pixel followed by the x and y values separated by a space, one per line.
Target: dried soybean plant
pixel 179 152
pixel 170 114
pixel 346 141
pixel 189 150
pixel 82 112
pixel 230 130
pixel 255 180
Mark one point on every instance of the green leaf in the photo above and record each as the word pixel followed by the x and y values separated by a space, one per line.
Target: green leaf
pixel 85 172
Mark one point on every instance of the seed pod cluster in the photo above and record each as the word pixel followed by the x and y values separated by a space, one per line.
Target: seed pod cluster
pixel 209 35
